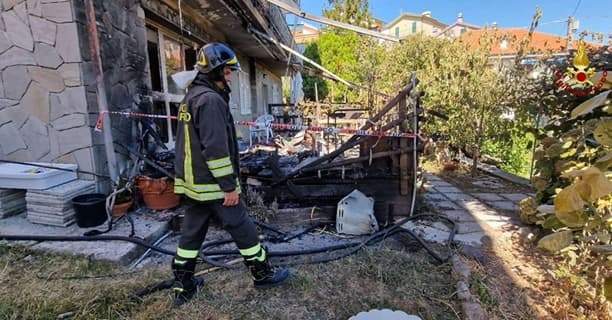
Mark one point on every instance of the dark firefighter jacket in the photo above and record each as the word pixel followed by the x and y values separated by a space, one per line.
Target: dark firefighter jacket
pixel 207 159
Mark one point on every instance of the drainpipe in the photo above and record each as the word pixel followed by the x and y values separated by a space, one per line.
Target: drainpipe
pixel 94 47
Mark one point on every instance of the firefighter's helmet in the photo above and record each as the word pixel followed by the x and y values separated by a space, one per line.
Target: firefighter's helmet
pixel 215 55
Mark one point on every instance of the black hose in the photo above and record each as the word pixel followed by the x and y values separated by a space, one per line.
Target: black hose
pixel 205 253
pixel 134 240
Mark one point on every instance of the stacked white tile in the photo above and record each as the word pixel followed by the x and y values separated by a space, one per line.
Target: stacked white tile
pixel 12 202
pixel 53 206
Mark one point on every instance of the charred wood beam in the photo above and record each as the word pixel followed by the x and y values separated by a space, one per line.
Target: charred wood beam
pixel 279 175
pixel 354 140
pixel 357 160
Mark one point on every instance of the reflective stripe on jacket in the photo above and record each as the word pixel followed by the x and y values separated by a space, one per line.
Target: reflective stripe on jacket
pixel 207 162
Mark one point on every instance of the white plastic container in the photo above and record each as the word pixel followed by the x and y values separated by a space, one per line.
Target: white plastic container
pixel 18 176
pixel 355 215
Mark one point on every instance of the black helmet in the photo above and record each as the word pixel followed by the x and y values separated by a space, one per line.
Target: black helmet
pixel 215 55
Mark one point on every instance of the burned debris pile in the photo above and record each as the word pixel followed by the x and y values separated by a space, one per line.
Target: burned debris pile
pixel 379 162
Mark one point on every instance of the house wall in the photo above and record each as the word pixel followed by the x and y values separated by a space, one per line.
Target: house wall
pixel 43 105
pixel 122 37
pixel 405 27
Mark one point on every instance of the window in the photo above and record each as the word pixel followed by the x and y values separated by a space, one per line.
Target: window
pixel 245 93
pixel 397 32
pixel 414 25
pixel 463 30
pixel 167 56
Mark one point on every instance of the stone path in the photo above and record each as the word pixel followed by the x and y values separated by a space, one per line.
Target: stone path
pixel 474 212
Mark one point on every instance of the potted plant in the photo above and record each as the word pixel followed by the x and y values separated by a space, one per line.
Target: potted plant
pixel 123 200
pixel 158 193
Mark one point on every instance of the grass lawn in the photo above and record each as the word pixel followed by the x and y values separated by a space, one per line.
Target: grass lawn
pixel 34 286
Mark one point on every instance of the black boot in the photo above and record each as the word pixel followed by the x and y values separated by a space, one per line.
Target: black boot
pixel 185 284
pixel 265 275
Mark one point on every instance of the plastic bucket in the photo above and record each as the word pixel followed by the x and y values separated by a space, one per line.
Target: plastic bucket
pixel 90 210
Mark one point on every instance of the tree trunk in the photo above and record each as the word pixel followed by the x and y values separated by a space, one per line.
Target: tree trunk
pixel 478 144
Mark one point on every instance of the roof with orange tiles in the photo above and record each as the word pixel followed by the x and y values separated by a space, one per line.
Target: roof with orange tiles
pixel 507 41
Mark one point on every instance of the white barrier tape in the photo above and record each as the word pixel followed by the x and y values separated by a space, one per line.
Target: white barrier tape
pixel 328 130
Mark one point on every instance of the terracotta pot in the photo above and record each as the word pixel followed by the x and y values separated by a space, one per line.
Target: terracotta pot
pixel 120 209
pixel 158 194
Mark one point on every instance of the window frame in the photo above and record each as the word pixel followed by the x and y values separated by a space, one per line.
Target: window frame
pixel 165 96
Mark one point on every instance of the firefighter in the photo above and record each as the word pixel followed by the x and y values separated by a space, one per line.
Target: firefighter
pixel 207 171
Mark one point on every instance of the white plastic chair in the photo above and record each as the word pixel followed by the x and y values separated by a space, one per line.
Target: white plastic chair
pixel 263 126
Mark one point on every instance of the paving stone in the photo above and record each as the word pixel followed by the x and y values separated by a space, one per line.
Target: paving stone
pixel 34 7
pixel 70 121
pixel 74 139
pixel 488 184
pixel 503 205
pixel 459 215
pixel 49 79
pixel 46 56
pixel 434 197
pixel 445 205
pixel 447 190
pixel 71 72
pixel 469 227
pixel 43 30
pixel 18 31
pixel 431 177
pixel 16 81
pixel 16 56
pixel 488 196
pixel 67 42
pixel 459 196
pixel 113 251
pixel 432 234
pixel 36 102
pixel 11 145
pixel 515 197
pixel 5 43
pixel 35 135
pixel 57 12
pixel 440 183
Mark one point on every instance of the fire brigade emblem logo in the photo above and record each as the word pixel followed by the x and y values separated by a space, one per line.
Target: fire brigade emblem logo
pixel 577 77
pixel 184 114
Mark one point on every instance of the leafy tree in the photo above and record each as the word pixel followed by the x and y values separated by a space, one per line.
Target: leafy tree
pixel 312 52
pixel 355 12
pixel 462 83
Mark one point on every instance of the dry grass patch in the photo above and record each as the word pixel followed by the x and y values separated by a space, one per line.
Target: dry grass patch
pixel 376 278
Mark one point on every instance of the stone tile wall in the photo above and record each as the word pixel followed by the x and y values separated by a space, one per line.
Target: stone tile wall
pixel 48 99
pixel 43 106
pixel 123 48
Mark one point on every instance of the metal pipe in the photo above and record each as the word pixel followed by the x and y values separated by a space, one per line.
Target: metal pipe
pixel 144 255
pixel 285 47
pixel 298 12
pixel 94 47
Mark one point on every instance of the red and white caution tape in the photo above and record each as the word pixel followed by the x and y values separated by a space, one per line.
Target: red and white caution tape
pixel 277 126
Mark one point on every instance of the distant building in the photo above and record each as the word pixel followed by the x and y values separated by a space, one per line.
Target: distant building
pixel 506 42
pixel 410 23
pixel 458 28
pixel 304 33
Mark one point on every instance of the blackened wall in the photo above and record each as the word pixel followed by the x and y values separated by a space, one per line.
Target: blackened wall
pixel 123 48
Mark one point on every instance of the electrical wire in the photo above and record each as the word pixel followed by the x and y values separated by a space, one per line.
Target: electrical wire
pixel 576 9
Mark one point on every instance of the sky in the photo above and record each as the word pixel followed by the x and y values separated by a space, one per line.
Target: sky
pixel 593 15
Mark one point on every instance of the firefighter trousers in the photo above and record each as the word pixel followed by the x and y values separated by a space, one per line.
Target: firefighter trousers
pixel 235 220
